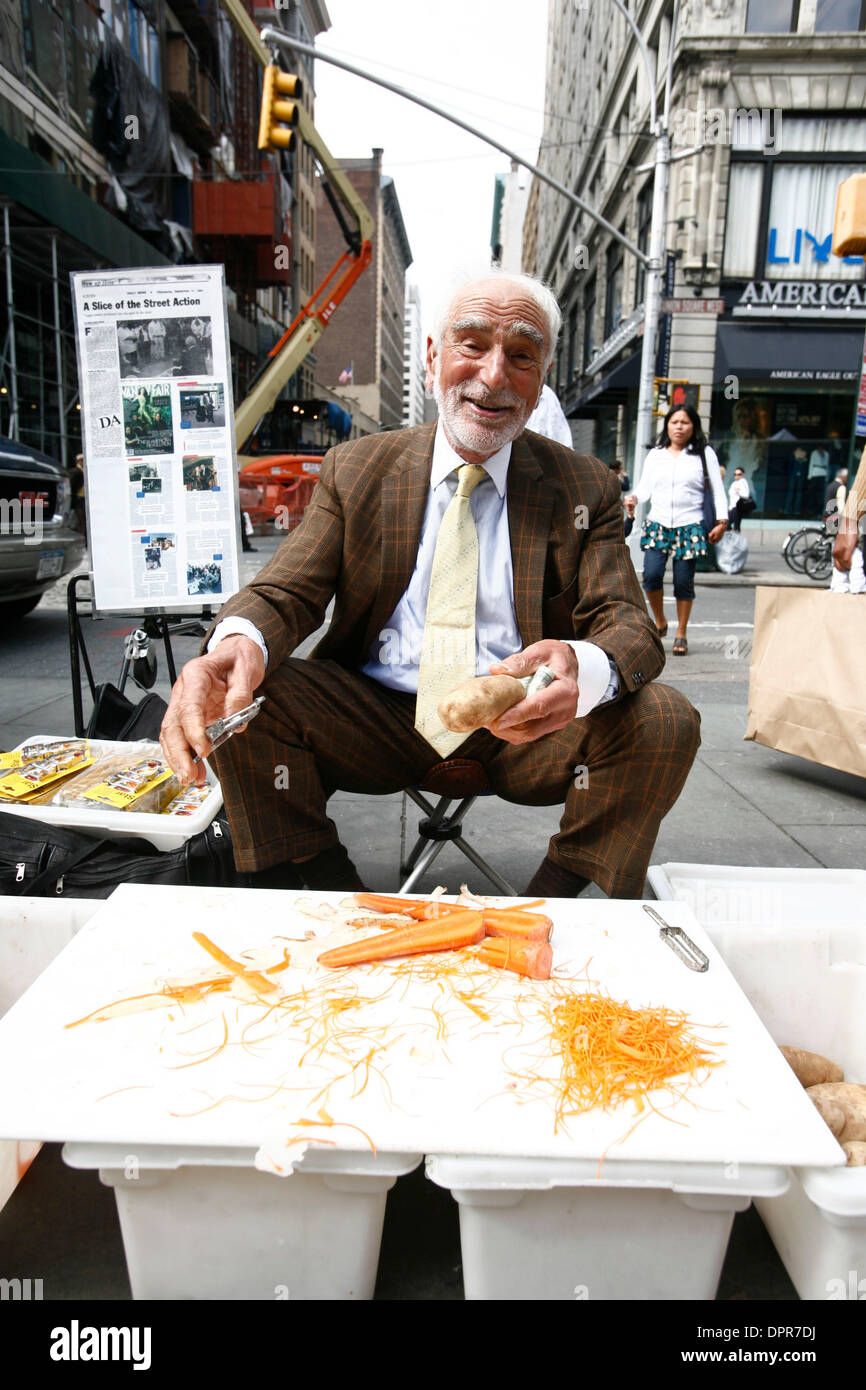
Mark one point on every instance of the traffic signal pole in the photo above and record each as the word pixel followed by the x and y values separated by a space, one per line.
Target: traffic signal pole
pixel 654 262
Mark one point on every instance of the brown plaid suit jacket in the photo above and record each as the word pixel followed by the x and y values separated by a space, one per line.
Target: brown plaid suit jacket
pixel 358 541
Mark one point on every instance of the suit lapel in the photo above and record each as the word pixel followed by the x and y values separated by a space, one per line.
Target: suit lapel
pixel 530 508
pixel 403 501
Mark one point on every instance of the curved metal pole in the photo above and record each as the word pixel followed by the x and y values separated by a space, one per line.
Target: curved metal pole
pixel 276 36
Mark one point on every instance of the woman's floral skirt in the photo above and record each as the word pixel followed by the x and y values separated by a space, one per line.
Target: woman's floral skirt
pixel 682 542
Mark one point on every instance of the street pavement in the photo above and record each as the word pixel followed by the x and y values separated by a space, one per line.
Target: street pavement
pixel 743 804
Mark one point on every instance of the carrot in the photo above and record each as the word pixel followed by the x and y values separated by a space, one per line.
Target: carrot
pixel 465 928
pixel 516 924
pixel 420 908
pixel 530 958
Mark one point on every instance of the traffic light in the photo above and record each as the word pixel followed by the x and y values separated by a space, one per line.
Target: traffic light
pixel 279 116
pixel 849 227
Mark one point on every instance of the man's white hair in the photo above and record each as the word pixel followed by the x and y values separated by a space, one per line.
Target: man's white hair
pixel 528 284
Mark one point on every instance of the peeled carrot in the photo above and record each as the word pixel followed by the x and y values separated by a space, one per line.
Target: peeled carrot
pixel 531 958
pixel 464 928
pixel 516 924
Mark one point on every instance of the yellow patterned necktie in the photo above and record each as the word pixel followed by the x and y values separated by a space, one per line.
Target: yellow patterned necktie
pixel 448 644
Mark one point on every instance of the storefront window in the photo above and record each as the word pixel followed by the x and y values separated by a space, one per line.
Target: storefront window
pixel 790 445
pixel 839 16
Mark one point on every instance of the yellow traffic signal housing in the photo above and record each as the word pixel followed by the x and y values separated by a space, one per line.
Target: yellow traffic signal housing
pixel 278 117
pixel 849 227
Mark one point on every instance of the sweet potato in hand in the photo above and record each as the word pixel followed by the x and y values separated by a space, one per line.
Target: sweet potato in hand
pixel 476 703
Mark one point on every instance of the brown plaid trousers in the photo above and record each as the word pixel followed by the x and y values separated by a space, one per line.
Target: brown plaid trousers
pixel 326 726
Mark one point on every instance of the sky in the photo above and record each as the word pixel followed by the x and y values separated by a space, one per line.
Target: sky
pixel 484 61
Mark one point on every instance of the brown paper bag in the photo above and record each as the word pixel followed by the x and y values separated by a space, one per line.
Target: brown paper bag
pixel 807 679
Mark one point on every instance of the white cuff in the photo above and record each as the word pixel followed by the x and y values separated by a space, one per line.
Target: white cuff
pixel 244 627
pixel 597 678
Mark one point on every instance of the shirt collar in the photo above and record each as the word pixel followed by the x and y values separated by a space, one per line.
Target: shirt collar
pixel 445 460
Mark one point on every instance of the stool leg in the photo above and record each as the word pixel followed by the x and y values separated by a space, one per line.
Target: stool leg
pixel 423 863
pixel 489 872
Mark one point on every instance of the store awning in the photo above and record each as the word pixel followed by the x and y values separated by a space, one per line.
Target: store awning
pixel 788 353
pixel 611 389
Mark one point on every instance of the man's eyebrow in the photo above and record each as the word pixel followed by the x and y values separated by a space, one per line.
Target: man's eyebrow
pixel 519 329
pixel 474 323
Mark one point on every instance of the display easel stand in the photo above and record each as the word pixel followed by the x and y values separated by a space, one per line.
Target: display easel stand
pixel 157 626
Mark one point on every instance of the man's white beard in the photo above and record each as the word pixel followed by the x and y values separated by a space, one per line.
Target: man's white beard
pixel 476 436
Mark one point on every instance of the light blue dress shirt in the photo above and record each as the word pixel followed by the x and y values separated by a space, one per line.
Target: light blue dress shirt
pixel 394 658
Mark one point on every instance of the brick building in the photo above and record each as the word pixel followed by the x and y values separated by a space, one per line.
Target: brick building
pixel 365 339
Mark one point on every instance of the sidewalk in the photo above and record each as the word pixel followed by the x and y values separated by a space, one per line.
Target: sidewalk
pixel 765 565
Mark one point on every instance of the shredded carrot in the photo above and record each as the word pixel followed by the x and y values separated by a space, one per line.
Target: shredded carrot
pixel 612 1053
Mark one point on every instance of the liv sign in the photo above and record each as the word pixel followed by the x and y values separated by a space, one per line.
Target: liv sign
pixel 806 247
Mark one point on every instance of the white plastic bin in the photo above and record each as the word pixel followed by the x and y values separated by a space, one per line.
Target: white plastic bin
pixel 205 1224
pixel 537 1229
pixel 32 932
pixel 164 832
pixel 795 939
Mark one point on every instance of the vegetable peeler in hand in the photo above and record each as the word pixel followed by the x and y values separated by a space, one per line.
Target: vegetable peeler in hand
pixel 222 729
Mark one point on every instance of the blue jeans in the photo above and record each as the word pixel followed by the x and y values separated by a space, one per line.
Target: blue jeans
pixel 654 562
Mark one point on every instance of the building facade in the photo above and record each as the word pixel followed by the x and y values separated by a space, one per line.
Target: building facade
pixel 510 199
pixel 361 355
pixel 128 137
pixel 764 329
pixel 413 360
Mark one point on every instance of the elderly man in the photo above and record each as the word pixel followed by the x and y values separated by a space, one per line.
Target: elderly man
pixel 419 534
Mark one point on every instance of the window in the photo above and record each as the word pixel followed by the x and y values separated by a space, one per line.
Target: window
pixel 572 343
pixel 644 226
pixel 839 16
pixel 772 16
pixel 588 320
pixel 613 295
pixel 782 200
pixel 743 220
pixel 800 224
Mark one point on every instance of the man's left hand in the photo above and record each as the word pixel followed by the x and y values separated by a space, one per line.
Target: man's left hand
pixel 549 709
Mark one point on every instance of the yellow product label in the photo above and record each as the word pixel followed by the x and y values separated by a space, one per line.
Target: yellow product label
pixel 9 760
pixel 19 786
pixel 122 799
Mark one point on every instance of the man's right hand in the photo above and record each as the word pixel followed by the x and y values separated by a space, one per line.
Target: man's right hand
pixel 208 688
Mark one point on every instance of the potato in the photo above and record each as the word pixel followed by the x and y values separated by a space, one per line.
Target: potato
pixel 810 1068
pixel 833 1115
pixel 856 1151
pixel 478 702
pixel 851 1098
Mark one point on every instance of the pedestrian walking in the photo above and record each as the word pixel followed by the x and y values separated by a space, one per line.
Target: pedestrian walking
pixel 675 476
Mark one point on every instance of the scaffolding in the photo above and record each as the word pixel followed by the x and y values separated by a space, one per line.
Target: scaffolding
pixel 39 403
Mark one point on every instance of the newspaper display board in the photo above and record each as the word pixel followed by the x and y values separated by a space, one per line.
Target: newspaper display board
pixel 158 429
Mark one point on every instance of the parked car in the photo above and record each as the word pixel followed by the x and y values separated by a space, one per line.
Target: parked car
pixel 38 543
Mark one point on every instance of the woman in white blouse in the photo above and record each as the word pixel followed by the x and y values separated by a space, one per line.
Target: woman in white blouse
pixel 672 481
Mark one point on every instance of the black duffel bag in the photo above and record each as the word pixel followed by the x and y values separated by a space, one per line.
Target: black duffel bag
pixel 40 860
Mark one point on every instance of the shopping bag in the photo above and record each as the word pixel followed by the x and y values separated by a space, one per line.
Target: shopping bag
pixel 732 552
pixel 807 680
